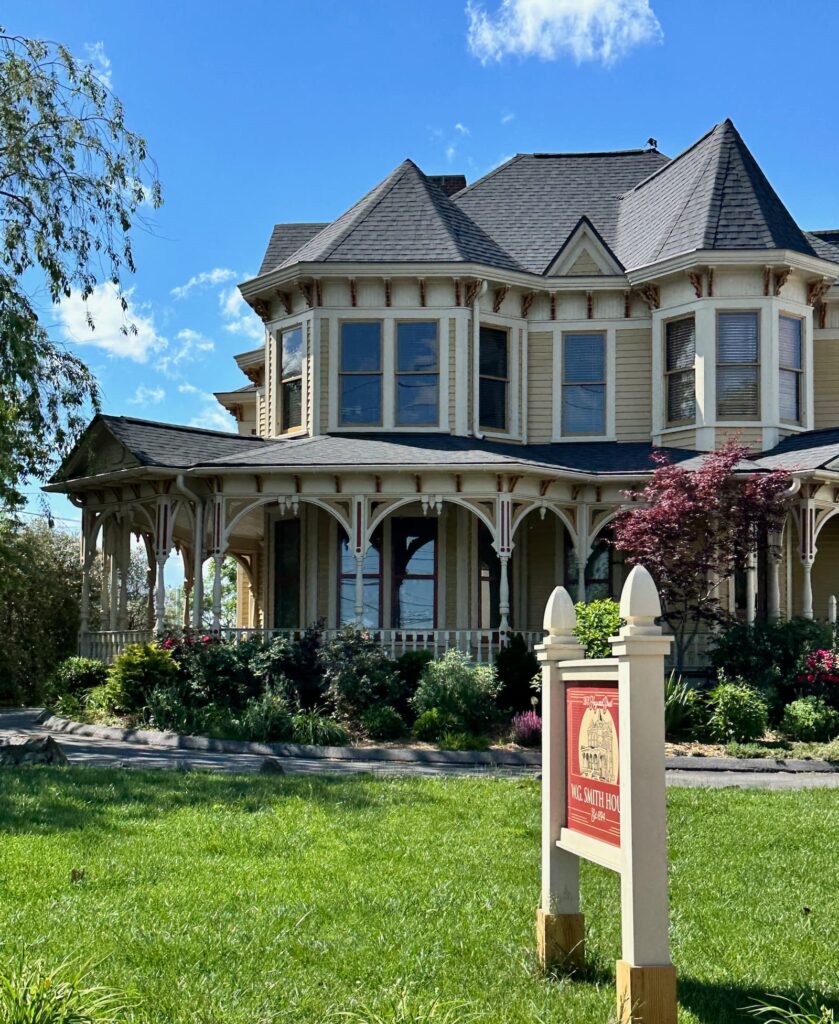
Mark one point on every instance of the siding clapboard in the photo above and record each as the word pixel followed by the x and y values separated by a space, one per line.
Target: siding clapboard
pixel 584 266
pixel 324 376
pixel 826 380
pixel 633 385
pixel 540 387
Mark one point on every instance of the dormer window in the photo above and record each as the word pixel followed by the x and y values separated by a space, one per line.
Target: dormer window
pixel 291 382
pixel 584 384
pixel 361 374
pixel 494 379
pixel 679 373
pixel 417 374
pixel 790 369
pixel 738 366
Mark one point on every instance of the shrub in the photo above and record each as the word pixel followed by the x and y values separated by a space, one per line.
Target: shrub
pixel 736 712
pixel 596 622
pixel 681 707
pixel 819 676
pixel 61 995
pixel 216 671
pixel 295 665
pixel 810 720
pixel 137 672
pixel 459 689
pixel 409 668
pixel 358 673
pixel 317 730
pixel 103 701
pixel 383 723
pixel 516 665
pixel 266 719
pixel 526 729
pixel 70 706
pixel 73 677
pixel 463 741
pixel 431 725
pixel 769 655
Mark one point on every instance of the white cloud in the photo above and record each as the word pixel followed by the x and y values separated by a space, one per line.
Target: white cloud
pixel 588 30
pixel 507 118
pixel 129 334
pixel 218 275
pixel 451 152
pixel 461 129
pixel 238 316
pixel 147 396
pixel 189 389
pixel 214 419
pixel 101 63
pixel 191 345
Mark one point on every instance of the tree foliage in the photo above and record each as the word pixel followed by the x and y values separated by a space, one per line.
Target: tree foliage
pixel 40 588
pixel 72 181
pixel 693 528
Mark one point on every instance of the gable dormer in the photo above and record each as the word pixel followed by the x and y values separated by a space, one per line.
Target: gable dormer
pixel 584 254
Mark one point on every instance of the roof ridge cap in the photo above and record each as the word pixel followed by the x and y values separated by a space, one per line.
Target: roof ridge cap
pixel 678 215
pixel 108 417
pixel 675 159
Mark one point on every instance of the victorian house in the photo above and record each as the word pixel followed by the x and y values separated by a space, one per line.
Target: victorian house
pixel 459 382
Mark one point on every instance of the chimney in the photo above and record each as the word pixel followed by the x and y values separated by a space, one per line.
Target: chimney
pixel 449 183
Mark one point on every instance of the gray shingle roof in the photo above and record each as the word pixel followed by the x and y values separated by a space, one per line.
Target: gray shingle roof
pixel 825 244
pixel 405 218
pixel 712 196
pixel 532 203
pixel 812 449
pixel 445 450
pixel 286 239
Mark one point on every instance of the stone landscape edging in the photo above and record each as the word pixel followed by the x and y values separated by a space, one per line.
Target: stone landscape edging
pixel 491 758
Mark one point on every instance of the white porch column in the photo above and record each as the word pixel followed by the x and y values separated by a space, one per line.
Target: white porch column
pixel 198 566
pixel 162 546
pixel 751 587
pixel 807 589
pixel 773 606
pixel 160 592
pixel 218 561
pixel 582 562
pixel 124 569
pixel 504 594
pixel 807 553
pixel 86 554
pixel 359 588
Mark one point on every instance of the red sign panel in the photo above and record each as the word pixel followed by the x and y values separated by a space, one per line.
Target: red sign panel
pixel 593 752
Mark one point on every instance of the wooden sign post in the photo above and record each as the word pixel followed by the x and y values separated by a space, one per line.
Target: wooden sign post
pixel 603 794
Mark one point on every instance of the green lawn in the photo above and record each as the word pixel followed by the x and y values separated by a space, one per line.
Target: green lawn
pixel 218 899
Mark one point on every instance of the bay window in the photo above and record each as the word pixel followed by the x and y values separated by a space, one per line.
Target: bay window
pixel 790 369
pixel 417 374
pixel 584 384
pixel 738 366
pixel 679 373
pixel 494 380
pixel 291 380
pixel 360 373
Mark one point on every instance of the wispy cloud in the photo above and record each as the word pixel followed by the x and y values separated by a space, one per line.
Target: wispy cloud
pixel 238 316
pixel 147 396
pixel 587 30
pixel 213 417
pixel 218 275
pixel 461 129
pixel 507 118
pixel 191 346
pixel 100 62
pixel 112 325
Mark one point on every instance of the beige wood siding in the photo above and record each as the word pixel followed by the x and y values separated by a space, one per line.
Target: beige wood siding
pixel 679 439
pixel 242 599
pixel 540 538
pixel 449 521
pixel 324 582
pixel 633 385
pixel 324 376
pixel 825 575
pixel 751 437
pixel 826 380
pixel 584 266
pixel 452 417
pixel 308 416
pixel 540 387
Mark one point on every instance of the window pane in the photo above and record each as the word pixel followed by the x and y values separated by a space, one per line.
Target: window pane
pixel 493 356
pixel 413 606
pixel 737 337
pixel 371 617
pixel 681 344
pixel 416 346
pixel 790 395
pixel 413 546
pixel 790 338
pixel 361 347
pixel 372 560
pixel 287 574
pixel 292 404
pixel 585 357
pixel 681 396
pixel 416 399
pixel 493 404
pixel 583 409
pixel 292 352
pixel 737 391
pixel 361 398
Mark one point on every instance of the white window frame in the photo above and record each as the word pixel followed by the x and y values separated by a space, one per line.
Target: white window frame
pixel 609 329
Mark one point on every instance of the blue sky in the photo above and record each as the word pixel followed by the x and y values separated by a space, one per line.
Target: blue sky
pixel 260 112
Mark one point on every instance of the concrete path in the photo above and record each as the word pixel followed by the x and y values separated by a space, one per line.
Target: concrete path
pixel 15 725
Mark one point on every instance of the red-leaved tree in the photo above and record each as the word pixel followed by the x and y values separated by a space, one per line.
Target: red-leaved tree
pixel 693 527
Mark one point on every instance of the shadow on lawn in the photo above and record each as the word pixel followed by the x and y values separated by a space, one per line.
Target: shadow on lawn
pixel 49 800
pixel 718 1003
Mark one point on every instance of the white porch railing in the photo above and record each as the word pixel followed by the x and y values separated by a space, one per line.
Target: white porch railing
pixel 481 644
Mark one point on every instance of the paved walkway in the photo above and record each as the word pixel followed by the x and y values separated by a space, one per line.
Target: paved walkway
pixel 16 725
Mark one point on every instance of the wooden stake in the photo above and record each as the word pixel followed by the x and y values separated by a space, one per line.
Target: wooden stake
pixel 560 940
pixel 646 995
